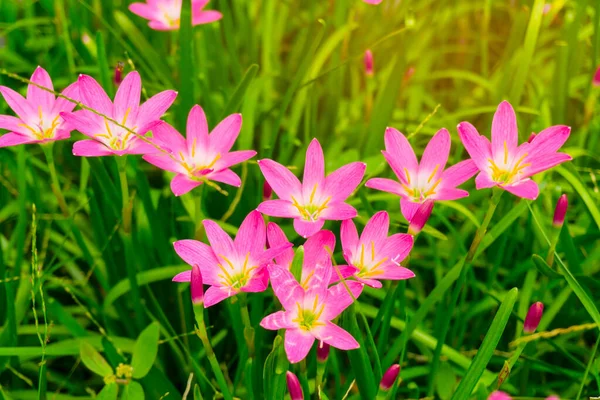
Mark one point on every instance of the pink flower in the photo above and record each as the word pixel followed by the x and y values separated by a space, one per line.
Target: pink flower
pixel 229 266
pixel 424 180
pixel 107 138
pixel 200 156
pixel 317 198
pixel 164 15
pixel 499 395
pixel 308 312
pixel 503 162
pixel 372 1
pixel 38 116
pixel 369 63
pixel 596 79
pixel 374 255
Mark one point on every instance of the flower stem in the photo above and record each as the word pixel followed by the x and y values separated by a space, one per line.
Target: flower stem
pixel 210 353
pixel 248 329
pixel 55 185
pixel 481 231
pixel 122 163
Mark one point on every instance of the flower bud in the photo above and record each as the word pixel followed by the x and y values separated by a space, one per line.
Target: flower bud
pixel 560 211
pixel 369 63
pixel 534 315
pixel 294 386
pixel 499 395
pixel 531 137
pixel 420 218
pixel 596 80
pixel 390 376
pixel 118 78
pixel 553 397
pixel 267 191
pixel 196 288
pixel 322 352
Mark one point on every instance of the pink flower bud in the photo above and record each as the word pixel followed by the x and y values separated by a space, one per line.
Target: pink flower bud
pixel 369 63
pixel 267 191
pixel 118 78
pixel 372 1
pixel 408 74
pixel 596 80
pixel 294 386
pixel 420 218
pixel 534 315
pixel 552 398
pixel 499 395
pixel 322 352
pixel 560 211
pixel 531 137
pixel 390 377
pixel 547 8
pixel 196 288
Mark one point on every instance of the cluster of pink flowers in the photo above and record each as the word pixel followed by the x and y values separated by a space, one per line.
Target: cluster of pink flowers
pixel 261 253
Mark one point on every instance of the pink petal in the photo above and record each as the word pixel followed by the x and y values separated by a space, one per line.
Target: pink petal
pixel 408 208
pixel 343 181
pixel 184 276
pixel 128 98
pixel 216 294
pixel 307 228
pixel 205 17
pixel 435 155
pixel 234 157
pixel 478 147
pixel 283 182
pixel 143 10
pixel 163 161
pixel 396 273
pixel 338 298
pixel 526 189
pixel 545 162
pixel 297 344
pixel 314 167
pixel 90 148
pixel 168 138
pixel 156 106
pixel 335 336
pixel 194 252
pixel 349 238
pixel 504 130
pixel 181 184
pixel 219 240
pixel 319 281
pixel 84 121
pixel 161 26
pixel 374 283
pixel 267 256
pixel 596 79
pixel 276 321
pixel 13 139
pixel 450 194
pixel 224 135
pixel 278 208
pixel 258 283
pixel 198 5
pixel 397 247
pixel 483 181
pixel 251 235
pixel 374 2
pixel 62 104
pixel 227 177
pixel 93 96
pixel 377 227
pixel 11 123
pixel 459 173
pixel 399 153
pixel 385 185
pixel 39 96
pixel 19 104
pixel 286 287
pixel 139 146
pixel 342 271
pixel 197 131
pixel 317 249
pixel 548 141
pixel 338 212
pixel 276 238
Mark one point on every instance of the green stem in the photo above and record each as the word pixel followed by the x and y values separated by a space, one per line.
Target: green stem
pixel 55 185
pixel 210 353
pixel 248 329
pixel 553 243
pixel 199 228
pixel 481 231
pixel 126 210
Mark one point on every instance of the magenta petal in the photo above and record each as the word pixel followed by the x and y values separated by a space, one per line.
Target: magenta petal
pixel 216 294
pixel 349 238
pixel 143 10
pixel 251 235
pixel 339 212
pixel 168 138
pixel 548 141
pixel 483 181
pixel 161 26
pixel 62 104
pixel 227 177
pixel 127 99
pixel 276 238
pixel 278 208
pixel 205 17
pixel 84 121
pixel 39 96
pixel 297 344
pixel 314 167
pixel 343 181
pixel 450 194
pixel 90 148
pixel 258 283
pixel 181 184
pixel 19 104
pixel 397 247
pixel 459 173
pixel 163 161
pixel 11 123
pixel 225 133
pixel 546 162
pixel 235 157
pixel 284 183
pixel 317 248
pixel 436 153
pixel 93 96
pixel 276 321
pixel 342 271
pixel 504 130
pixel 400 154
pixel 478 147
pixel 267 256
pixel 156 106
pixel 336 337
pixel 194 252
pixel 526 189
pixel 396 273
pixel 408 208
pixel 184 276
pixel 13 139
pixel 319 281
pixel 385 185
pixel 197 131
pixel 219 240
pixel 307 228
pixel 285 286
pixel 376 229
pixel 338 298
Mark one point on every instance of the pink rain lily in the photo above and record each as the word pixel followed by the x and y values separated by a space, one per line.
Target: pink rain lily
pixel 504 162
pixel 374 254
pixel 107 138
pixel 200 156
pixel 419 182
pixel 38 115
pixel 229 266
pixel 317 198
pixel 164 15
pixel 308 312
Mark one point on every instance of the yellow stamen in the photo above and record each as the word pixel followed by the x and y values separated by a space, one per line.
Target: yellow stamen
pixel 126 115
pixel 407 176
pixel 433 173
pixel 505 152
pixel 372 250
pixel 227 261
pixel 194 147
pixel 362 255
pixel 312 194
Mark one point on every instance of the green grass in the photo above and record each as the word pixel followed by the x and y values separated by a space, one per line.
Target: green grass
pixel 294 70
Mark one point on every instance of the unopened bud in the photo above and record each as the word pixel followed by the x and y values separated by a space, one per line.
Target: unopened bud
pixel 294 386
pixel 553 397
pixel 596 80
pixel 531 137
pixel 499 395
pixel 389 378
pixel 560 211
pixel 196 288
pixel 420 218
pixel 118 78
pixel 322 352
pixel 534 315
pixel 369 63
pixel 267 191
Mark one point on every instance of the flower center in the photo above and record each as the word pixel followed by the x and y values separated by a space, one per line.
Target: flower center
pixel 118 140
pixel 369 268
pixel 193 168
pixel 312 210
pixel 42 130
pixel 308 319
pixel 419 191
pixel 505 173
pixel 235 278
